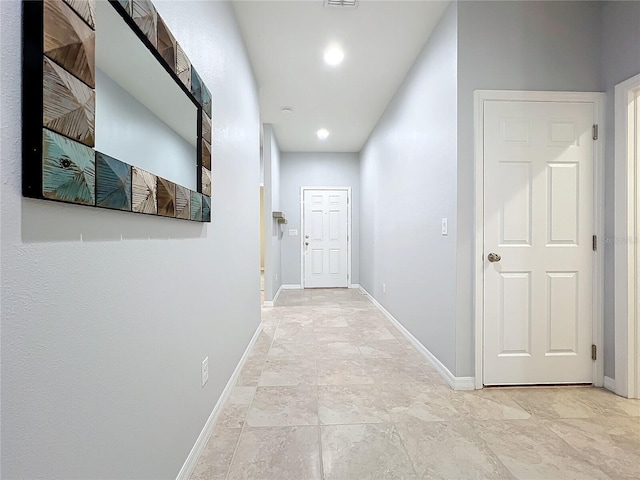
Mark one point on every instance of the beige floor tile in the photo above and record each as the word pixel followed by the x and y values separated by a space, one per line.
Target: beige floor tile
pixel 342 371
pixel 485 404
pixel 235 410
pixel 288 372
pixel 450 450
pixel 333 350
pixel 251 371
pixel 284 406
pixel 277 453
pixel 418 402
pixel 530 450
pixel 612 444
pixel 214 461
pixel 364 452
pixel 350 404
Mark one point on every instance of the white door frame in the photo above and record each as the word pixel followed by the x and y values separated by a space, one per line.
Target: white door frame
pixel 627 194
pixel 598 189
pixel 349 233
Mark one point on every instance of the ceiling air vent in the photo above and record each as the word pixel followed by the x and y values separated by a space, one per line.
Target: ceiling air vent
pixel 341 3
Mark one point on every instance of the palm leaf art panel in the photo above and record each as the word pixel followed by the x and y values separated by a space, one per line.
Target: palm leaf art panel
pixel 68 170
pixel 113 183
pixel 183 67
pixel 206 182
pixel 143 191
pixel 183 202
pixel 146 17
pixel 196 206
pixel 206 154
pixel 69 41
pixel 86 9
pixel 206 129
pixel 69 105
pixel 206 208
pixel 166 198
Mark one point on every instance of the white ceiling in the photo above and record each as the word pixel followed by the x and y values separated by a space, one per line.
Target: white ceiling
pixel 286 41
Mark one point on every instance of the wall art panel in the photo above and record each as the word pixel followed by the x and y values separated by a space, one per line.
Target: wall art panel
pixel 59 111
pixel 68 170
pixel 68 105
pixel 113 183
pixel 69 41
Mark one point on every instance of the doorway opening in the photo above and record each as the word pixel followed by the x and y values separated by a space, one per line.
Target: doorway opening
pixel 627 244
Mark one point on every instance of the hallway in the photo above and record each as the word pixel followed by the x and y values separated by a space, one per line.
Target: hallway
pixel 333 390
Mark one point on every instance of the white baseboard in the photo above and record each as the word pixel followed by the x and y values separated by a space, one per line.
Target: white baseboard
pixel 192 460
pixel 610 384
pixel 271 303
pixel 355 285
pixel 292 287
pixel 456 383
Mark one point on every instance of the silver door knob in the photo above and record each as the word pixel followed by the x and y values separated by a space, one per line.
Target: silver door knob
pixel 494 257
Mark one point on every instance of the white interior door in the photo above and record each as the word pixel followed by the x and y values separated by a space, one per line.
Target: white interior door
pixel 325 231
pixel 539 222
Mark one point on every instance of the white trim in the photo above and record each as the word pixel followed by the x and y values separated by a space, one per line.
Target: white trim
pixel 354 285
pixel 271 303
pixel 456 383
pixel 192 460
pixel 627 324
pixel 349 229
pixel 610 384
pixel 597 99
pixel 291 287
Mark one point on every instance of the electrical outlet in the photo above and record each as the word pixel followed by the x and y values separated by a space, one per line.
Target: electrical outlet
pixel 384 288
pixel 205 370
pixel 445 226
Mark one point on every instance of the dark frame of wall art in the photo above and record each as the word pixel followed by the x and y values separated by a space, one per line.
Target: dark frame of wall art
pixel 59 161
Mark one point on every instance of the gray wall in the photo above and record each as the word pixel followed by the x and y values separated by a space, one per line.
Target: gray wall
pixel 316 170
pixel 620 61
pixel 107 316
pixel 273 231
pixel 408 185
pixel 512 46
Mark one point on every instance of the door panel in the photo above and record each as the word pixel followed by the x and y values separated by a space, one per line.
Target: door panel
pixel 538 216
pixel 325 228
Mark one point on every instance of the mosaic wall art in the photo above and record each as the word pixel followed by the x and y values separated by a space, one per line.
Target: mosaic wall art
pixel 59 159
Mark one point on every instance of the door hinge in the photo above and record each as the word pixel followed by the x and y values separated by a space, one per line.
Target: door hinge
pixel 595 132
pixel 594 352
pixel 594 243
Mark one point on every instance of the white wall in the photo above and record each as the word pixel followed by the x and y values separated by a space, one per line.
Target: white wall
pixel 512 46
pixel 620 61
pixel 316 170
pixel 106 316
pixel 273 231
pixel 130 132
pixel 408 184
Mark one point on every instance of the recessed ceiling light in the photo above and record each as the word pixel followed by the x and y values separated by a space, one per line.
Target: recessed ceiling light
pixel 333 55
pixel 287 110
pixel 323 133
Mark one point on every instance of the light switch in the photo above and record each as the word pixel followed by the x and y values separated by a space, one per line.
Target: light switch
pixel 445 227
pixel 293 232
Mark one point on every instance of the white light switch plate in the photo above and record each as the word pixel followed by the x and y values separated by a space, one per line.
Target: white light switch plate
pixel 445 227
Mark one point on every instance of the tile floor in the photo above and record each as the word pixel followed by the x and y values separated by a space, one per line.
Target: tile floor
pixel 333 391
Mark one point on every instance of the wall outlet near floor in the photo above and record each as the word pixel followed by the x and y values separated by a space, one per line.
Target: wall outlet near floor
pixel 205 370
pixel 384 288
